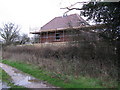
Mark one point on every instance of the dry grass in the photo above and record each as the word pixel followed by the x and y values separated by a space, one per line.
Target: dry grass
pixel 67 60
pixel 90 56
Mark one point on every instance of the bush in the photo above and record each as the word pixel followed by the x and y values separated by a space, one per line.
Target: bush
pixel 88 56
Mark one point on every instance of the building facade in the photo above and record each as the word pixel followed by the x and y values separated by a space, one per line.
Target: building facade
pixel 58 29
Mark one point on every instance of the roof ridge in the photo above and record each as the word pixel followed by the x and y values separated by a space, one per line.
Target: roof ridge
pixel 63 21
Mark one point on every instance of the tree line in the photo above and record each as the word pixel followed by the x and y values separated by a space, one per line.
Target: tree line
pixel 10 35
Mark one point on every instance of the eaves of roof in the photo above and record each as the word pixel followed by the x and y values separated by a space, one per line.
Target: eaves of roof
pixel 85 28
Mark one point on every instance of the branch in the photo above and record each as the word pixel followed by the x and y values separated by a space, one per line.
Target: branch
pixel 74 8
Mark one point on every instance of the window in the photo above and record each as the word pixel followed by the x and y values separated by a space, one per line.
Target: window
pixel 57 36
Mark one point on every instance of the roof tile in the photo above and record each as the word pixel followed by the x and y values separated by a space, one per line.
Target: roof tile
pixel 73 20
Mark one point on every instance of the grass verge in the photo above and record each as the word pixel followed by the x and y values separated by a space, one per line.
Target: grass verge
pixel 56 79
pixel 4 77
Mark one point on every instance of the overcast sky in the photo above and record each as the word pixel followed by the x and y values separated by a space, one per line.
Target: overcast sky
pixel 32 13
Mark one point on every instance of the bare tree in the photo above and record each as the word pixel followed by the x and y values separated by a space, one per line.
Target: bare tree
pixel 9 32
pixel 24 39
pixel 69 8
pixel 36 38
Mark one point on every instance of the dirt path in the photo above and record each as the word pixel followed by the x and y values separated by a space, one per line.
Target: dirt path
pixel 21 79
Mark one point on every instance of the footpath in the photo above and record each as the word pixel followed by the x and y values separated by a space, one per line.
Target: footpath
pixel 21 79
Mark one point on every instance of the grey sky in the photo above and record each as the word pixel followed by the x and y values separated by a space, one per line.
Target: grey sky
pixel 31 13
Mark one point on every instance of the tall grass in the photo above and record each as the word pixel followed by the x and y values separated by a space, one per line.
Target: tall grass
pixel 59 80
pixel 90 56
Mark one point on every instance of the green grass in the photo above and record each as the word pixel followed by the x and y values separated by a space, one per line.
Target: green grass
pixel 58 80
pixel 6 78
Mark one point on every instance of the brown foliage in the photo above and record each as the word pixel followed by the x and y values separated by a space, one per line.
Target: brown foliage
pixel 89 56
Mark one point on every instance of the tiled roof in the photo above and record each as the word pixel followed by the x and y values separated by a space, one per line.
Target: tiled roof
pixel 73 20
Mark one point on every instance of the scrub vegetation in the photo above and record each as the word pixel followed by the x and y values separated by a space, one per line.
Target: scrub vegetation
pixel 94 53
pixel 57 79
pixel 88 56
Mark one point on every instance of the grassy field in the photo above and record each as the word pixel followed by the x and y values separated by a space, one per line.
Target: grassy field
pixel 60 80
pixel 6 78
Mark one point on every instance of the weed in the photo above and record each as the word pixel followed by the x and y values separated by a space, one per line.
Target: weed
pixel 57 79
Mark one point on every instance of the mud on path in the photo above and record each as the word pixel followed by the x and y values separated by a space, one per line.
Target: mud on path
pixel 21 79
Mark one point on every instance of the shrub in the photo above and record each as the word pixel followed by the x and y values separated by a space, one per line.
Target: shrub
pixel 88 56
